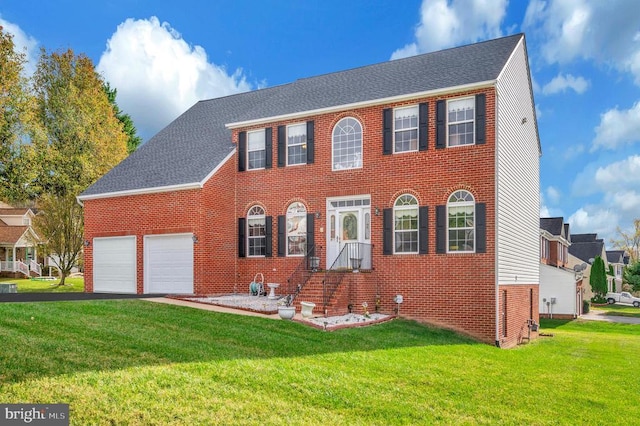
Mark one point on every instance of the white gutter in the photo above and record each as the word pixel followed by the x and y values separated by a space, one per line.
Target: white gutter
pixel 337 108
pixel 496 220
pixel 158 189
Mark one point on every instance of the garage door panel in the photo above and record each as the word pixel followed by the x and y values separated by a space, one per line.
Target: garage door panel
pixel 114 265
pixel 169 264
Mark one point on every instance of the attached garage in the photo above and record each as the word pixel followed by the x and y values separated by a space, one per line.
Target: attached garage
pixel 168 264
pixel 114 264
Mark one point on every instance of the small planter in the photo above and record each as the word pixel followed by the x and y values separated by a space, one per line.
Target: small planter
pixel 286 312
pixel 307 309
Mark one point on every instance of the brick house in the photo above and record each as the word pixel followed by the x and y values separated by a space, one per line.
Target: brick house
pixel 18 243
pixel 421 173
pixel 561 287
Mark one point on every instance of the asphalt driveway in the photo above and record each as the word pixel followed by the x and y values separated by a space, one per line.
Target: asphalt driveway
pixel 58 297
pixel 602 316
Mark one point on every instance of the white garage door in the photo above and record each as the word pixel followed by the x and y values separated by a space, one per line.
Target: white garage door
pixel 114 265
pixel 168 264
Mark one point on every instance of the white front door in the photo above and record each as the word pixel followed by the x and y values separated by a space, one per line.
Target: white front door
pixel 349 221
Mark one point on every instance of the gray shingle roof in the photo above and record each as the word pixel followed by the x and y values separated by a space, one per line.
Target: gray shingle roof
pixel 190 147
pixel 586 250
pixel 615 256
pixel 553 225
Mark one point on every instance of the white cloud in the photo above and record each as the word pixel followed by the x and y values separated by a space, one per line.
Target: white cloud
pixel 603 31
pixel 561 83
pixel 618 127
pixel 594 219
pixel 573 151
pixel 23 43
pixel 618 175
pixel 158 75
pixel 553 195
pixel 446 23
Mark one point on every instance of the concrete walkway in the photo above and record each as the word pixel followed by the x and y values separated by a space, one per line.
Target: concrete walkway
pixel 596 315
pixel 209 307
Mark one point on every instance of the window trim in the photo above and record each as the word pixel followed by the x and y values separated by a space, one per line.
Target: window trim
pixel 304 218
pixel 264 148
pixel 415 207
pixel 251 216
pixel 473 121
pixel 333 147
pixel 417 128
pixel 475 221
pixel 304 144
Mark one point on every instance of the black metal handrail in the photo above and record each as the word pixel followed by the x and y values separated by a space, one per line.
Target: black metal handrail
pixel 300 276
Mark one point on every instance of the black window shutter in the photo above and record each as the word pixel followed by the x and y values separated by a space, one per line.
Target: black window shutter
pixel 310 142
pixel 423 232
pixel 441 124
pixel 387 131
pixel 423 129
pixel 242 237
pixel 268 147
pixel 387 231
pixel 481 228
pixel 282 236
pixel 480 119
pixel 268 225
pixel 242 151
pixel 441 229
pixel 311 239
pixel 282 146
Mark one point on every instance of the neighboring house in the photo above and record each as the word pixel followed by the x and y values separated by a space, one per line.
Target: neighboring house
pixel 618 260
pixel 401 170
pixel 18 243
pixel 560 286
pixel 583 250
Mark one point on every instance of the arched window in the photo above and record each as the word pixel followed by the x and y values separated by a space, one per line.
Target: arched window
pixel 256 231
pixel 405 224
pixel 461 223
pixel 347 144
pixel 296 229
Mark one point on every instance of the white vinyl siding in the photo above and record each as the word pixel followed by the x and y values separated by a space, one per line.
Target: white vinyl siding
pixel 518 175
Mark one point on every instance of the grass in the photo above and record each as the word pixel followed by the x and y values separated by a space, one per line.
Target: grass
pixel 141 363
pixel 619 310
pixel 26 285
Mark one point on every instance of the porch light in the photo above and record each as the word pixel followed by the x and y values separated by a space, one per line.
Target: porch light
pixel 377 211
pixel 87 243
pixel 194 238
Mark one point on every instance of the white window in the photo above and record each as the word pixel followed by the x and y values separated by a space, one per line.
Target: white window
pixel 347 144
pixel 256 232
pixel 405 224
pixel 296 229
pixel 461 121
pixel 26 221
pixel 256 157
pixel 297 144
pixel 461 235
pixel 405 129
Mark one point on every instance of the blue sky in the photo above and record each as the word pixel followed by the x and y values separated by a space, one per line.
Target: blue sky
pixel 163 56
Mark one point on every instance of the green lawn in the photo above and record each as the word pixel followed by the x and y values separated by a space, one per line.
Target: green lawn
pixel 137 362
pixel 37 286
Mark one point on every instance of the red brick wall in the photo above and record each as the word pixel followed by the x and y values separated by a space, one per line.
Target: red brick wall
pixel 521 305
pixel 456 290
pixel 208 213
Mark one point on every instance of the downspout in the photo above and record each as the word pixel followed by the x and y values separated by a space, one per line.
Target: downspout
pixel 496 221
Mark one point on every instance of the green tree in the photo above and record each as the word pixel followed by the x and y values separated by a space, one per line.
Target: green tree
pixel 631 276
pixel 598 278
pixel 78 138
pixel 629 241
pixel 133 141
pixel 16 171
pixel 61 222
